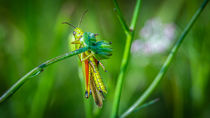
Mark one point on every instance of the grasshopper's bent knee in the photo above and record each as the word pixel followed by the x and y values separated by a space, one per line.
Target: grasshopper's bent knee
pixel 83 59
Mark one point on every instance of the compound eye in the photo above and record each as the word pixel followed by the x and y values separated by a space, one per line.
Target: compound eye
pixel 74 33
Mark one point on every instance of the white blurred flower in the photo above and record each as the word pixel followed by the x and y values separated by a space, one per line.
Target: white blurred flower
pixel 156 37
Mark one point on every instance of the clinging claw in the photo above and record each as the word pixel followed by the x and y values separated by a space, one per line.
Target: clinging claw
pixel 96 34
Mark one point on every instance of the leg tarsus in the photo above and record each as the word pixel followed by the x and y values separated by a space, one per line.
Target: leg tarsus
pixel 86 94
pixel 96 34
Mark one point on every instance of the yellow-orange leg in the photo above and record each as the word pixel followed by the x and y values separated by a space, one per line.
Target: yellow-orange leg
pixel 97 78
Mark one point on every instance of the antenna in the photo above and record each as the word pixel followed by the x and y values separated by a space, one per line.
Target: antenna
pixel 69 24
pixel 82 17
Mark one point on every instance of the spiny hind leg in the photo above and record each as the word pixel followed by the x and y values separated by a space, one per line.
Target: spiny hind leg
pixel 97 78
pixel 96 81
pixel 104 69
pixel 93 66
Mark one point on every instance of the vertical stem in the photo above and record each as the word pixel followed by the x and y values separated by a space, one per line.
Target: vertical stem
pixel 129 38
pixel 167 63
pixel 135 15
pixel 121 76
pixel 120 17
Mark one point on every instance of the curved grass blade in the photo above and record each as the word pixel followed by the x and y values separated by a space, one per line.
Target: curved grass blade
pixel 37 71
pixel 143 106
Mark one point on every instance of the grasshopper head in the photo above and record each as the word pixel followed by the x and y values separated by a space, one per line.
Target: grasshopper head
pixel 78 33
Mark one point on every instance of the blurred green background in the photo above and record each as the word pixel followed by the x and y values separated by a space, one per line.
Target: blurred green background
pixel 32 32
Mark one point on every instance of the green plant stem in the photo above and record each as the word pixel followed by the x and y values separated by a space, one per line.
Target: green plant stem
pixel 168 61
pixel 135 15
pixel 146 104
pixel 120 17
pixel 129 38
pixel 120 79
pixel 38 70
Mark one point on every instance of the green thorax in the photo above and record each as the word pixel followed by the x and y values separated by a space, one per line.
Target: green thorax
pixel 101 49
